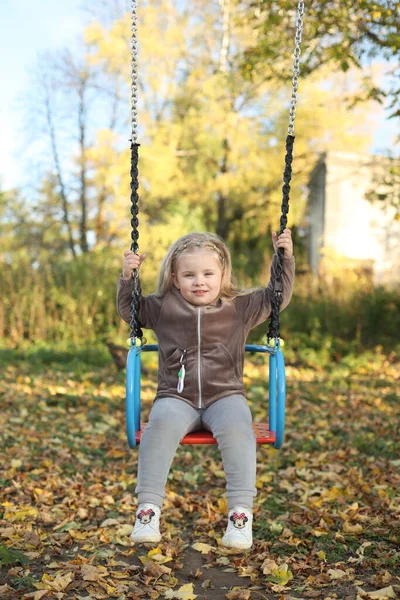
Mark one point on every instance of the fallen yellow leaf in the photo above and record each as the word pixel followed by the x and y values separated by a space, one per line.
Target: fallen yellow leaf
pixel 59 583
pixel 222 505
pixel 336 573
pixel 348 528
pixel 39 594
pixel 29 512
pixel 281 576
pixel 276 527
pixel 92 573
pixel 203 548
pixel 381 594
pixel 319 531
pixel 238 594
pixel 185 592
pixel 268 566
pixel 156 555
pixel 125 529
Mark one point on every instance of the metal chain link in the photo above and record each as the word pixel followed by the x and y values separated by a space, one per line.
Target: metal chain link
pixel 134 72
pixel 296 67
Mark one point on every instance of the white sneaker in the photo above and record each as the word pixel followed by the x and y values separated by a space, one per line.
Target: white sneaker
pixel 239 534
pixel 147 524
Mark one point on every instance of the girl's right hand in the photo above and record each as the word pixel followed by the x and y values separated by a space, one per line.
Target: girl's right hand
pixel 131 261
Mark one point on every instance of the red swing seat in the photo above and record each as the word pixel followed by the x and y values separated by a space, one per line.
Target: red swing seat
pixel 262 433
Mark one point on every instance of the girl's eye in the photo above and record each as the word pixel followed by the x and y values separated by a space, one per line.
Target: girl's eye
pixel 188 275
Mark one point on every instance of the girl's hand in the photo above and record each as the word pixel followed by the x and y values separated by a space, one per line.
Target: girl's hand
pixel 283 241
pixel 131 261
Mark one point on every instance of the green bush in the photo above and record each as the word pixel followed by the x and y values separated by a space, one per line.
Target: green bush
pixel 365 318
pixel 68 301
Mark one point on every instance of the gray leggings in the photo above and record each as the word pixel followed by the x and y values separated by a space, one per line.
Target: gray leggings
pixel 229 419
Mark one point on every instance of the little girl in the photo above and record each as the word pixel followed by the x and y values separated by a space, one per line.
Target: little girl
pixel 201 321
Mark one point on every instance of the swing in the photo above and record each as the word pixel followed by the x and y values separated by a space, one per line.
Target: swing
pixel 266 433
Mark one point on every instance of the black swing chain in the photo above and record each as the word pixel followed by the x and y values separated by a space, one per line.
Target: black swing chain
pixel 273 331
pixel 136 331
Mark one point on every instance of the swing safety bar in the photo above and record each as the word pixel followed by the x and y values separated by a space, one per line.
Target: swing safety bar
pixel 266 433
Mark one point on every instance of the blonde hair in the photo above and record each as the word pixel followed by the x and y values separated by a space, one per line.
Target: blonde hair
pixel 205 241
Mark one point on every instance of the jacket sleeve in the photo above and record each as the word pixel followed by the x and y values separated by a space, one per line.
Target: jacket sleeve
pixel 256 306
pixel 150 306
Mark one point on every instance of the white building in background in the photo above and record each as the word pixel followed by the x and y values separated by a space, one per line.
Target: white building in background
pixel 343 222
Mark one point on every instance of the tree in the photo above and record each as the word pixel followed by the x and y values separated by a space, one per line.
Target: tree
pixel 386 189
pixel 70 103
pixel 339 33
pixel 31 232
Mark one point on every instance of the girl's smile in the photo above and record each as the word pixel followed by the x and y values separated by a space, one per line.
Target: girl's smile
pixel 198 276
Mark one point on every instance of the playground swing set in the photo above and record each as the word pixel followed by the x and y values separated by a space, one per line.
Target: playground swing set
pixel 266 433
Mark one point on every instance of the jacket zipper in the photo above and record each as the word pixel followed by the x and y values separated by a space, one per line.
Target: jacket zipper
pixel 199 356
pixel 182 371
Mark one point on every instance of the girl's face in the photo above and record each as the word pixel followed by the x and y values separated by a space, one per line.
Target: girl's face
pixel 198 276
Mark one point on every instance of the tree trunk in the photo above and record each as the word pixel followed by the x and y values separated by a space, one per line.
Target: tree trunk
pixel 59 176
pixel 82 177
pixel 226 21
pixel 222 226
pixel 99 220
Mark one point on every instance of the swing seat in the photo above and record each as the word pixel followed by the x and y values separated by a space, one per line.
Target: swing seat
pixel 262 433
pixel 266 433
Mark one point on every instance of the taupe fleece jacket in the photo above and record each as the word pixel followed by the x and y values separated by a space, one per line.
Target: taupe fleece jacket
pixel 210 339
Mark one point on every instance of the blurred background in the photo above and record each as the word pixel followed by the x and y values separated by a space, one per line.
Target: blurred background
pixel 214 92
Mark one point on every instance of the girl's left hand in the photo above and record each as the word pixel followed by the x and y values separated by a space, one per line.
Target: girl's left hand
pixel 283 241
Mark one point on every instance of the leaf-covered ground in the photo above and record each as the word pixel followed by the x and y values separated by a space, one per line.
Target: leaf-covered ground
pixel 327 513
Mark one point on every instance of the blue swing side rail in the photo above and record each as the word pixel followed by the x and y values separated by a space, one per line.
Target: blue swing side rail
pixel 266 433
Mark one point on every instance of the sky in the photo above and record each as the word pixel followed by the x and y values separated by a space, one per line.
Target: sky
pixel 29 27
